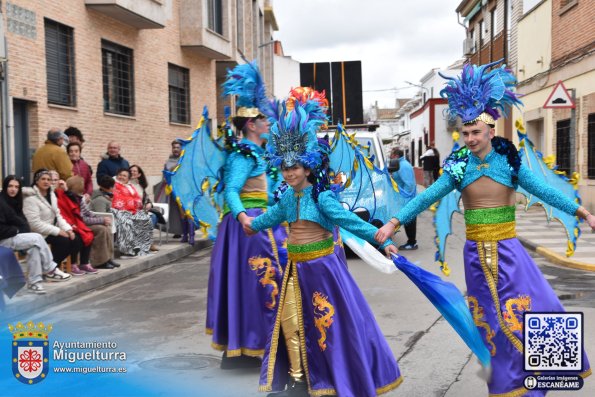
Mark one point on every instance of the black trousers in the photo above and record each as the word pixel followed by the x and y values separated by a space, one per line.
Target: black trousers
pixel 84 254
pixel 411 232
pixel 62 247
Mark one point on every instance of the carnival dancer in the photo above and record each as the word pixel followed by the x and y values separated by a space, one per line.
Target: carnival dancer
pixel 325 340
pixel 245 274
pixel 502 280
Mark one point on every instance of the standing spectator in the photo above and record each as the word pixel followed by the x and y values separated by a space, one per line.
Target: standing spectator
pixel 178 224
pixel 52 156
pixel 40 207
pixel 402 172
pixel 16 235
pixel 437 163
pixel 74 135
pixel 79 166
pixel 430 162
pixel 111 162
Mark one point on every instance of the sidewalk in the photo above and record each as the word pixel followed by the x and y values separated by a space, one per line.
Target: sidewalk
pixel 549 239
pixel 25 302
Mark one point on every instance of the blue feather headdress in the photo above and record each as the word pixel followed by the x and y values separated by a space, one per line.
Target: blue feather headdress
pixel 246 82
pixel 480 95
pixel 293 134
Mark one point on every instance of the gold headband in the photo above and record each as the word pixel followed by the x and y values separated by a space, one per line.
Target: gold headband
pixel 248 112
pixel 485 117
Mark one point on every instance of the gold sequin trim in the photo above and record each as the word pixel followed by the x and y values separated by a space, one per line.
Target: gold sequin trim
pixel 494 291
pixel 275 337
pixel 275 249
pixel 491 232
pixel 238 352
pixel 380 390
pixel 209 331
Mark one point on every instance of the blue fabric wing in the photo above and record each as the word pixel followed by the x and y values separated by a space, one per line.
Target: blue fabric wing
pixel 196 182
pixel 444 211
pixel 450 303
pixel 544 169
pixel 359 183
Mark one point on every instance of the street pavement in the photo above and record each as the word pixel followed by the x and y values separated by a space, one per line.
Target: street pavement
pixel 157 316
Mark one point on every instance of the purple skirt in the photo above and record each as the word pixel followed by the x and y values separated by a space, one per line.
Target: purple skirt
pixel 244 285
pixel 346 353
pixel 503 282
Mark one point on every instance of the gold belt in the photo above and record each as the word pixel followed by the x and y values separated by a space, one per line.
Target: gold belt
pixel 310 251
pixel 491 232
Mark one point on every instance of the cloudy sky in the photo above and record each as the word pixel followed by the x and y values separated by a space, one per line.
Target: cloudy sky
pixel 396 40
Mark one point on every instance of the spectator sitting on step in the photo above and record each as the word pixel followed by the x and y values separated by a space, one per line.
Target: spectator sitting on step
pixel 16 235
pixel 102 248
pixel 134 228
pixel 68 202
pixel 40 207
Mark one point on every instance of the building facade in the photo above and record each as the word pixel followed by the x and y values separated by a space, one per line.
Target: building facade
pixel 565 53
pixel 424 121
pixel 491 27
pixel 137 72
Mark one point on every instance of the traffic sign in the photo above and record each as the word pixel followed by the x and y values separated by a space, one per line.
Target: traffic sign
pixel 559 98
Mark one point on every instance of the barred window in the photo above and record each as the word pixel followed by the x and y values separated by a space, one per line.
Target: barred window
pixel 563 145
pixel 591 146
pixel 179 94
pixel 59 61
pixel 118 78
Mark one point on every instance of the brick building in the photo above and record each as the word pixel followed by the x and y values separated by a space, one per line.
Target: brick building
pixel 563 51
pixel 491 35
pixel 138 72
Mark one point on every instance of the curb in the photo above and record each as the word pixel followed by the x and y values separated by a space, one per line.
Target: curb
pixel 25 304
pixel 556 258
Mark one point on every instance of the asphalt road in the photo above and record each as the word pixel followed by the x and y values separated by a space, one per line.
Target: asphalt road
pixel 157 318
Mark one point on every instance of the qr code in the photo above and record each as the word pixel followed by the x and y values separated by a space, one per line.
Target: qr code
pixel 553 341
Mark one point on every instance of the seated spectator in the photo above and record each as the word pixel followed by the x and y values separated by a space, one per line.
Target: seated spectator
pixel 40 207
pixel 11 275
pixel 79 166
pixel 101 199
pixel 56 181
pixel 16 235
pixel 134 228
pixel 68 203
pixel 102 247
pixel 139 181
